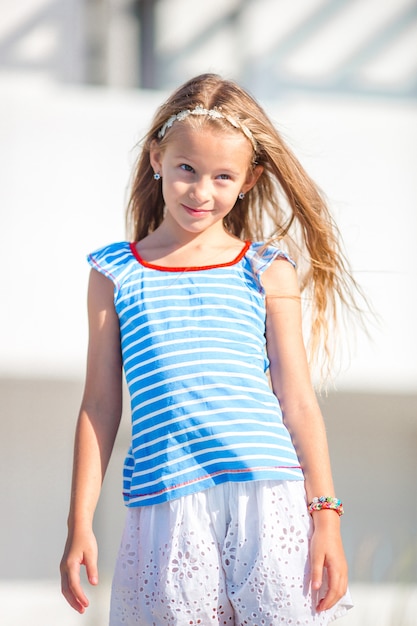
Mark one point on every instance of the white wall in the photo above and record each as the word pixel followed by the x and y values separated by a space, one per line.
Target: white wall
pixel 65 161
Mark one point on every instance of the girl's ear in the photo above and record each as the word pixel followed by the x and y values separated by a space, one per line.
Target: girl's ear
pixel 252 178
pixel 155 156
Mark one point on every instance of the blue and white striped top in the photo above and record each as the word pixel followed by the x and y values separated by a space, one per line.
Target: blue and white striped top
pixel 193 347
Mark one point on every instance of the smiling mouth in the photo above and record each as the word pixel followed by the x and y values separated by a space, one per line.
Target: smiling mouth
pixel 195 210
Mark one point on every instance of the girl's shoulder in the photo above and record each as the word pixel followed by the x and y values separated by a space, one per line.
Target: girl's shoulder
pixel 111 259
pixel 262 254
pixel 111 251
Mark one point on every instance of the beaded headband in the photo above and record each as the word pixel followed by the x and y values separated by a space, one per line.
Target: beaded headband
pixel 214 114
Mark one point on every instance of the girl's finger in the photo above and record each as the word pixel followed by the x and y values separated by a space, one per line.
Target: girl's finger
pixel 317 564
pixel 92 572
pixel 337 586
pixel 74 594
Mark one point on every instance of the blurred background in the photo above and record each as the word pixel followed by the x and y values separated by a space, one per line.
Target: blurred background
pixel 79 82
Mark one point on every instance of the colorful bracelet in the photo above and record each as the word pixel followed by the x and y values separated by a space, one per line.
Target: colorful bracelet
pixel 326 502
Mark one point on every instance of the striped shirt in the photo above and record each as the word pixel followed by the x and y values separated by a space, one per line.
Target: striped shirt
pixel 195 362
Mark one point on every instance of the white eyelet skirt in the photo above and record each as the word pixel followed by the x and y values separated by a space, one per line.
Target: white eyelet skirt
pixel 234 555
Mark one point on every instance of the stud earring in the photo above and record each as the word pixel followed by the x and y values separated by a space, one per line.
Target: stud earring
pixel 157 176
pixel 241 195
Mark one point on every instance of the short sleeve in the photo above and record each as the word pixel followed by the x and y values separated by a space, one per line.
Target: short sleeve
pixel 112 261
pixel 262 255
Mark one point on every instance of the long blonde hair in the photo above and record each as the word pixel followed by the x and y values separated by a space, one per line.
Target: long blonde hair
pixel 284 205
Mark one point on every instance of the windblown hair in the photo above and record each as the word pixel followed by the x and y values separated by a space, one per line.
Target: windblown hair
pixel 285 205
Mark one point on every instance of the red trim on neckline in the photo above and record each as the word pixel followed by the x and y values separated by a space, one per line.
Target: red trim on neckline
pixel 162 268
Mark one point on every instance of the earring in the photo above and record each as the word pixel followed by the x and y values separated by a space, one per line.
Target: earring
pixel 241 195
pixel 157 176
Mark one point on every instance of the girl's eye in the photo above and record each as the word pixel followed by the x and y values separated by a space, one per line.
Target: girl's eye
pixel 186 168
pixel 224 176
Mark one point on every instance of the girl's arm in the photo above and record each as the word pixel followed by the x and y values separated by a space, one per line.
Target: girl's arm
pixel 291 383
pixel 96 431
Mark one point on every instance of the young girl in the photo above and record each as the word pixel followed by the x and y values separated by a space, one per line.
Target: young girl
pixel 232 516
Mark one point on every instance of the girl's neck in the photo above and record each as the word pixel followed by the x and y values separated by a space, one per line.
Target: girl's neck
pixel 171 249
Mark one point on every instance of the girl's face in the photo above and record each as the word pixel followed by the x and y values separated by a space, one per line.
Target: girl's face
pixel 203 171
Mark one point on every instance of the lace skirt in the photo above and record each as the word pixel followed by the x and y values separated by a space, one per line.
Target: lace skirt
pixel 233 555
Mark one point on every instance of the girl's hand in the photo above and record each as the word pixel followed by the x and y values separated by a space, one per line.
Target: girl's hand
pixel 81 549
pixel 326 551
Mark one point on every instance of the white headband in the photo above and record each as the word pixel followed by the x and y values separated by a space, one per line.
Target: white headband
pixel 214 114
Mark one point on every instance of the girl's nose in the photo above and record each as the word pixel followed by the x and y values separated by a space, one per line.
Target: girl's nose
pixel 201 191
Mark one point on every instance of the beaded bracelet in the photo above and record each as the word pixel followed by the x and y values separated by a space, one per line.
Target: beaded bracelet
pixel 326 502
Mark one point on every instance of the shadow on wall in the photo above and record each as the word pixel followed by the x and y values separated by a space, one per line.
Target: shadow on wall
pixel 36 445
pixel 373 439
pixel 373 443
